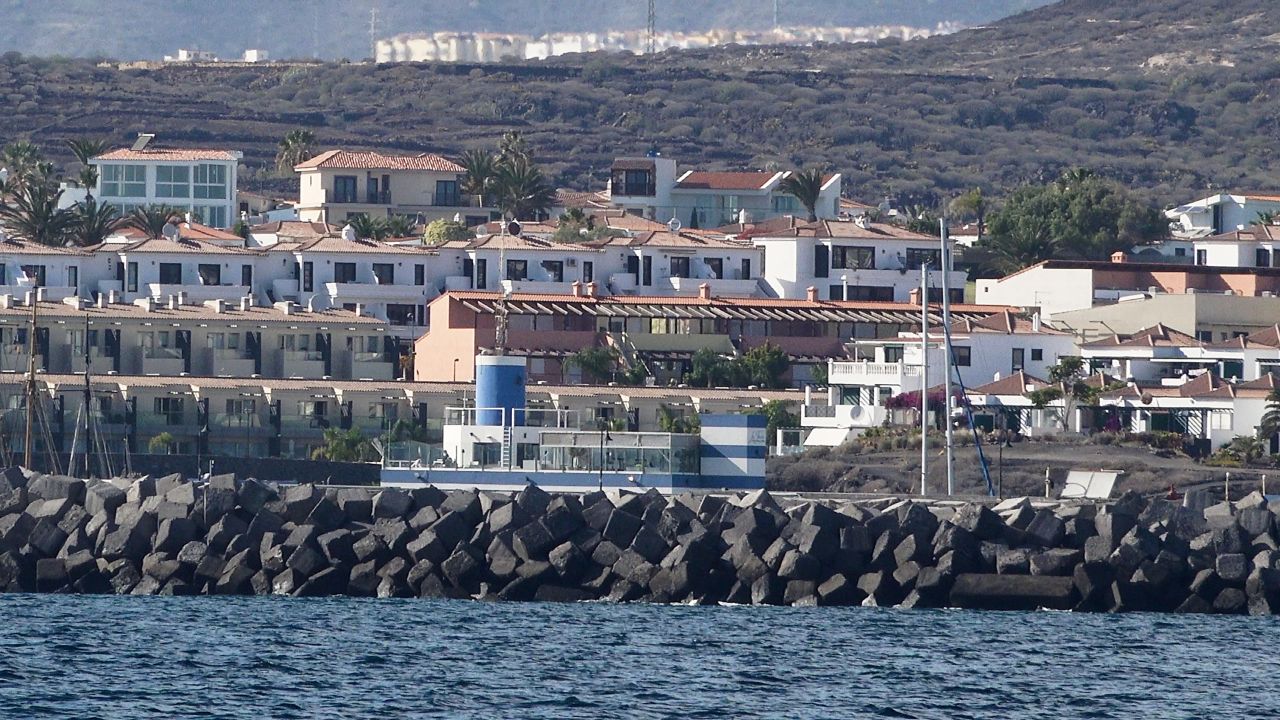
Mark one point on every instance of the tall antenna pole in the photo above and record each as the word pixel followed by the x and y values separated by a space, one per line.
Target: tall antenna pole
pixel 776 24
pixel 651 42
pixel 88 403
pixel 315 29
pixel 373 32
pixel 945 259
pixel 31 381
pixel 924 379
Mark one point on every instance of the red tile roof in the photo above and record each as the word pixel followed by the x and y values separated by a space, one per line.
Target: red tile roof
pixel 1157 335
pixel 349 160
pixel 1015 384
pixel 699 180
pixel 734 302
pixel 1006 322
pixel 169 155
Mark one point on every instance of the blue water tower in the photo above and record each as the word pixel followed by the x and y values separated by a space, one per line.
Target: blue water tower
pixel 500 391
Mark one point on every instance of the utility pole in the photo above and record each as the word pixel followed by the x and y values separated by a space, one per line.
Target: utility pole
pixel 776 25
pixel 651 42
pixel 373 33
pixel 924 379
pixel 947 364
pixel 29 435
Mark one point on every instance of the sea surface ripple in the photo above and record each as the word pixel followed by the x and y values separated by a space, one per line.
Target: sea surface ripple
pixel 126 657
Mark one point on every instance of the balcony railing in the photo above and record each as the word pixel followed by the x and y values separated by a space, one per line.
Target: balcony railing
pixel 303 356
pixel 161 353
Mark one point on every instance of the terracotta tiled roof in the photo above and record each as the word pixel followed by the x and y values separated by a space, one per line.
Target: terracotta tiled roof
pixel 295 229
pixel 700 180
pixel 835 229
pixel 585 200
pixel 169 155
pixel 1015 384
pixel 1265 338
pixel 14 246
pixel 336 244
pixel 1006 322
pixel 1254 233
pixel 548 227
pixel 186 231
pixel 349 160
pixel 632 223
pixel 525 242
pixel 715 301
pixel 183 245
pixel 682 239
pixel 1157 335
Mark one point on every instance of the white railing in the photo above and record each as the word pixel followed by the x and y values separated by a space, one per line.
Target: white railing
pixel 529 417
pixel 872 369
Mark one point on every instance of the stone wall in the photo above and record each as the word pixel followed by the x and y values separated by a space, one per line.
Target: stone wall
pixel 167 536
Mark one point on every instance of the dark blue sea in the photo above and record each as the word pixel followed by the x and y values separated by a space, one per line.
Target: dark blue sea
pixel 110 657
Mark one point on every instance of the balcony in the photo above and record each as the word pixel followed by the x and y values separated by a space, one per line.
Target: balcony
pixel 842 416
pixel 232 421
pixel 13 358
pixel 623 283
pixel 541 287
pixel 100 361
pixel 903 378
pixel 719 288
pixel 370 366
pixel 457 282
pixel 284 289
pixel 302 363
pixel 373 292
pixel 198 293
pixel 54 293
pixel 162 361
pixel 232 363
pixel 306 425
pixel 106 287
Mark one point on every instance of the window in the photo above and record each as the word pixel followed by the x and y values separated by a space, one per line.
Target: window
pixel 419 275
pixel 1202 257
pixel 242 407
pixel 447 192
pixel 246 275
pixel 893 353
pixel 212 215
pixel 1204 335
pixel 300 342
pixel 1262 257
pixel 588 271
pixel 785 204
pixel 383 411
pixel 210 182
pixel 482 274
pixel 963 355
pixel 554 270
pixel 680 267
pixel 344 272
pixel 308 273
pixel 517 269
pixel 344 188
pixel 746 269
pixel 169 408
pixel 835 292
pixel 124 181
pixel 1037 355
pixel 223 341
pixel 384 273
pixel 633 183
pixel 365 344
pixel 170 274
pixel 34 274
pixel 1019 359
pixel 853 258
pixel 405 315
pixel 210 274
pixel 173 181
pixel 879 293
pixel 821 261
pixel 1179 252
pixel 73 277
pixel 715 266
pixel 132 283
pixel 919 256
pixel 314 411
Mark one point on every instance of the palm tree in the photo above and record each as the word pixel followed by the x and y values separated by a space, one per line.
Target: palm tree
pixel 1028 243
pixel 971 204
pixel 151 219
pixel 806 186
pixel 1270 424
pixel 1266 217
pixel 512 149
pixel 368 228
pixel 522 191
pixel 294 148
pixel 33 215
pixel 22 160
pixel 481 166
pixel 93 222
pixel 400 226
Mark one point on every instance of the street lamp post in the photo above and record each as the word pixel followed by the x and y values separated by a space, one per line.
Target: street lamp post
pixel 604 437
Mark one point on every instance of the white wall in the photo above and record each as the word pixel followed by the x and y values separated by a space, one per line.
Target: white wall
pixel 1052 290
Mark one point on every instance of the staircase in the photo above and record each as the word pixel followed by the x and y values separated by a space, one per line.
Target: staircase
pixel 506 447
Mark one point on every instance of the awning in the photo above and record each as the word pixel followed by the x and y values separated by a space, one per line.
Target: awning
pixel 827 437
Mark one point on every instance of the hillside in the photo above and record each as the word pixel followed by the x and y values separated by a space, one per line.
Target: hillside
pixel 332 29
pixel 1171 97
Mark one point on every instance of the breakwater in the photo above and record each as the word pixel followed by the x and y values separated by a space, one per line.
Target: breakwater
pixel 169 537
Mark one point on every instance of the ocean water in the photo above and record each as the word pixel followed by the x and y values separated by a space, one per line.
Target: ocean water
pixel 144 657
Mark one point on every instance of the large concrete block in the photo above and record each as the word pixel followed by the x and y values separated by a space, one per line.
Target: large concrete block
pixel 254 494
pixel 391 503
pixel 173 534
pixel 57 487
pixel 337 546
pixel 978 520
pixel 1013 592
pixel 621 528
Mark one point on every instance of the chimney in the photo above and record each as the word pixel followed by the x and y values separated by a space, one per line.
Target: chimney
pixel 996 376
pixel 6 301
pixel 913 297
pixel 188 218
pixel 28 297
pixel 173 302
pixel 113 297
pixel 150 304
pixel 219 305
pixel 577 288
pixel 246 302
pixel 704 291
pixel 182 297
pixel 359 309
pixel 1035 322
pixel 102 300
pixel 811 294
pixel 1119 256
pixel 591 289
pixel 284 306
pixel 42 294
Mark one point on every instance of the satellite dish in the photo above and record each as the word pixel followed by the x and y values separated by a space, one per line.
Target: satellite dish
pixel 513 228
pixel 673 225
pixel 170 231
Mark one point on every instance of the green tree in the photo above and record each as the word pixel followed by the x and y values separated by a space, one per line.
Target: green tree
pixel 92 222
pixel 513 150
pixel 32 214
pixel 401 226
pixel 161 444
pixel 596 363
pixel 441 231
pixel 1080 215
pixel 482 168
pixel 345 446
pixel 86 150
pixel 971 205
pixel 521 191
pixel 671 421
pixel 920 219
pixel 765 365
pixel 1270 424
pixel 806 186
pixel 1067 378
pixel 296 146
pixel 152 219
pixel 23 161
pixel 778 416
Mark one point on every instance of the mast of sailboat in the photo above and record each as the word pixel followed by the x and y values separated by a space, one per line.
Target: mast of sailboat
pixel 924 379
pixel 28 435
pixel 945 259
pixel 88 402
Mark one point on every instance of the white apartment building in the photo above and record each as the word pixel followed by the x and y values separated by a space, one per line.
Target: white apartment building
pixel 200 181
pixel 1256 245
pixel 680 263
pixel 652 187
pixel 850 260
pixel 338 184
pixel 1219 213
pixel 25 266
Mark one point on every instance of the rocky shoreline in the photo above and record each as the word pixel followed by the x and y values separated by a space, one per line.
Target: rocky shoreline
pixel 165 536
